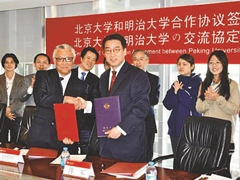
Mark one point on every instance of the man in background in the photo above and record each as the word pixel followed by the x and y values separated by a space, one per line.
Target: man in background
pixel 89 56
pixel 140 59
pixel 127 141
pixel 41 62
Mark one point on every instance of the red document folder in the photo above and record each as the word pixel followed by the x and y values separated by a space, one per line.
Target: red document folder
pixel 108 113
pixel 35 152
pixel 66 122
pixel 122 169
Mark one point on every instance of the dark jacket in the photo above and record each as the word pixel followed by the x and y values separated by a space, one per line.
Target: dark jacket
pixel 93 92
pixel 183 103
pixel 47 91
pixel 132 87
pixel 153 98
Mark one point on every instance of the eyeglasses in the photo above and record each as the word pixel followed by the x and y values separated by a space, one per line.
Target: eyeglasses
pixel 115 50
pixel 67 59
pixel 217 63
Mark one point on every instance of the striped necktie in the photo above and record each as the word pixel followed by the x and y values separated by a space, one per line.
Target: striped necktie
pixel 112 80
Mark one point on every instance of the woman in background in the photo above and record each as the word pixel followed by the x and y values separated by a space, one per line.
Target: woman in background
pixel 10 83
pixel 219 95
pixel 181 97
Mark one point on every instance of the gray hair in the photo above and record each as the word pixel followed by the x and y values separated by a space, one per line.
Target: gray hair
pixel 140 50
pixel 64 46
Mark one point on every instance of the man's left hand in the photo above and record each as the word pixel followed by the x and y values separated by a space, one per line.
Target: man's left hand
pixel 114 133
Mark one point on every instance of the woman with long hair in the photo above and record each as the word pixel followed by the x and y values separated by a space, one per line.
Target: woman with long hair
pixel 219 95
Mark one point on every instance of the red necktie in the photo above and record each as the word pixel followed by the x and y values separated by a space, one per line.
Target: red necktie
pixel 113 79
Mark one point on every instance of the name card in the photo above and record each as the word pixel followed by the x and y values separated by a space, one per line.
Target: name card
pixel 16 168
pixel 10 156
pixel 78 169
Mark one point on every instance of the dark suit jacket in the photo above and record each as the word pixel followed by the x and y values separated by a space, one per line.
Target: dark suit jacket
pixel 153 98
pixel 47 91
pixel 16 106
pixel 93 92
pixel 28 98
pixel 132 87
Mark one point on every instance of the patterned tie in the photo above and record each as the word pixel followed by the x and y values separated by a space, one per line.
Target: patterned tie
pixel 112 80
pixel 83 74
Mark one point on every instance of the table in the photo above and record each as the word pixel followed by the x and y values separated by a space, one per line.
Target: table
pixel 41 168
pixel 163 173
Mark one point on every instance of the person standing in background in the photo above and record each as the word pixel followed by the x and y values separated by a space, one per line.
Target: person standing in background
pixel 181 97
pixel 219 95
pixel 89 56
pixel 127 141
pixel 41 62
pixel 10 83
pixel 140 59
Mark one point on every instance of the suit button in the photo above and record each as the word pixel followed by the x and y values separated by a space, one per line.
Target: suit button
pixel 53 124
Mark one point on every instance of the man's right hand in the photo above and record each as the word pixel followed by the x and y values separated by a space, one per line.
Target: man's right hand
pixel 74 100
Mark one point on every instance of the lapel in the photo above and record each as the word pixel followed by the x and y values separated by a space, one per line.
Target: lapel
pixel 57 82
pixel 105 83
pixel 15 87
pixel 88 78
pixel 119 78
pixel 70 85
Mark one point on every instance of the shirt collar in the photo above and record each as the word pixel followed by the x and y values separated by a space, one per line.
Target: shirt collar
pixel 118 68
pixel 10 80
pixel 66 78
pixel 80 72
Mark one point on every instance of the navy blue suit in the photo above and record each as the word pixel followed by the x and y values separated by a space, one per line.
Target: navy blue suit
pixel 47 91
pixel 132 86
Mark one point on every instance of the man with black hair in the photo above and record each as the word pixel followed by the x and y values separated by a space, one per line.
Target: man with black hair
pixel 41 62
pixel 89 56
pixel 127 141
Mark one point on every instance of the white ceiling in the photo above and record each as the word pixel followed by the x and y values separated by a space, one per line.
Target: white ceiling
pixel 22 4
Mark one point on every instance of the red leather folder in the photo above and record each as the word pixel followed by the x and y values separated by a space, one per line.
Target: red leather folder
pixel 108 113
pixel 35 152
pixel 66 122
pixel 126 169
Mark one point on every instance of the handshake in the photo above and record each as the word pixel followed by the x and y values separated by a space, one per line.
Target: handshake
pixel 78 102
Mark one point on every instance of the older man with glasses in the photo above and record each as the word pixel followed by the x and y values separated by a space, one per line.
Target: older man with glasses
pixel 56 86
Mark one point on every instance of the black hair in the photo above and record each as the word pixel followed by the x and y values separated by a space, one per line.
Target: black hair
pixel 115 36
pixel 224 87
pixel 10 55
pixel 92 49
pixel 189 58
pixel 42 54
